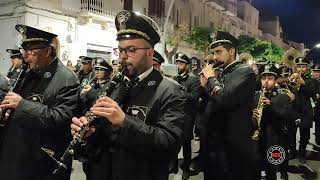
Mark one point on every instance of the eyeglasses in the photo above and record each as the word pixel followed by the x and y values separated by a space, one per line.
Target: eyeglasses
pixel 28 51
pixel 129 51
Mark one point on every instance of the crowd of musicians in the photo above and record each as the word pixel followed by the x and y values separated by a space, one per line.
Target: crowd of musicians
pixel 245 115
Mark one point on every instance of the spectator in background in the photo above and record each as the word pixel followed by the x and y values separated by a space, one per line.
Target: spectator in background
pixel 69 66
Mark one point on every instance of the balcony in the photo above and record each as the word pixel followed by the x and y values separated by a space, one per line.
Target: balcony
pixel 97 10
pixel 217 4
pixel 229 7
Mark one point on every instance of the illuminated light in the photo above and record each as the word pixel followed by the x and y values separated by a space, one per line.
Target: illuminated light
pixel 137 13
pixel 276 155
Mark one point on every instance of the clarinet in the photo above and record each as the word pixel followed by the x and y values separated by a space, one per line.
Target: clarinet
pixel 79 136
pixel 92 82
pixel 7 113
pixel 10 70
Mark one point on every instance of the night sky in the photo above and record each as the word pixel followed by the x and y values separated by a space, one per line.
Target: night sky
pixel 300 19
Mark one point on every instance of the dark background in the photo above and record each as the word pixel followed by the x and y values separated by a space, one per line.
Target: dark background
pixel 300 19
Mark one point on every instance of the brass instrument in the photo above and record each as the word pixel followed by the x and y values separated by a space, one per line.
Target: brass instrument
pixel 260 106
pixel 246 58
pixel 294 80
pixel 290 56
pixel 79 137
pixel 285 90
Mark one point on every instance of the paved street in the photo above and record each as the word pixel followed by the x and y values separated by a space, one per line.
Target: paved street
pixel 295 173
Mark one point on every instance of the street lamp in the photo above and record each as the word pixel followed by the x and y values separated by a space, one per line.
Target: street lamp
pixel 165 29
pixel 159 30
pixel 314 53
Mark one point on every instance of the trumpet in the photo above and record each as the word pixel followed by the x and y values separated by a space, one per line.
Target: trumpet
pixel 285 90
pixel 295 80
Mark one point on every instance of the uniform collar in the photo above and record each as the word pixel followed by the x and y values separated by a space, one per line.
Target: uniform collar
pixel 145 74
pixel 103 81
pixel 153 78
pixel 184 74
pixel 49 70
pixel 231 66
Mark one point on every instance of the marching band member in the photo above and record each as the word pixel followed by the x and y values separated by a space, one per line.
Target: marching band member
pixel 42 105
pixel 229 143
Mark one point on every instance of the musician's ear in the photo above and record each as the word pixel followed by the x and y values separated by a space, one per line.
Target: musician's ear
pixel 150 52
pixel 232 51
pixel 48 51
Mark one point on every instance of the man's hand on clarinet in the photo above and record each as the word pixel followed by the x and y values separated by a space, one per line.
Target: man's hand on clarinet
pixel 11 100
pixel 107 108
pixel 78 123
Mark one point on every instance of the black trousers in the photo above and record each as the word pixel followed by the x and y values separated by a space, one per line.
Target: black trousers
pixel 304 138
pixel 216 166
pixel 186 154
pixel 316 118
pixel 292 139
pixel 99 168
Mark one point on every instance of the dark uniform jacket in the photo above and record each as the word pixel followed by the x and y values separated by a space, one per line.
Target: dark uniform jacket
pixel 276 119
pixel 41 119
pixel 191 87
pixel 85 79
pixel 276 123
pixel 92 95
pixel 306 93
pixel 229 122
pixel 152 130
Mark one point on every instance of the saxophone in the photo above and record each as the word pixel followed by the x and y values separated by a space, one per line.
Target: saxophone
pixel 260 106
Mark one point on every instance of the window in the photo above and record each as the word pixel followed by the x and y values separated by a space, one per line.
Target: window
pixel 163 8
pixel 156 8
pixel 97 50
pixel 102 54
pixel 127 5
pixel 196 21
pixel 177 22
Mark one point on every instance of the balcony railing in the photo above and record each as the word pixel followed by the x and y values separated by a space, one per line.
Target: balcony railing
pixel 97 7
pixel 217 4
pixel 227 6
pixel 220 2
